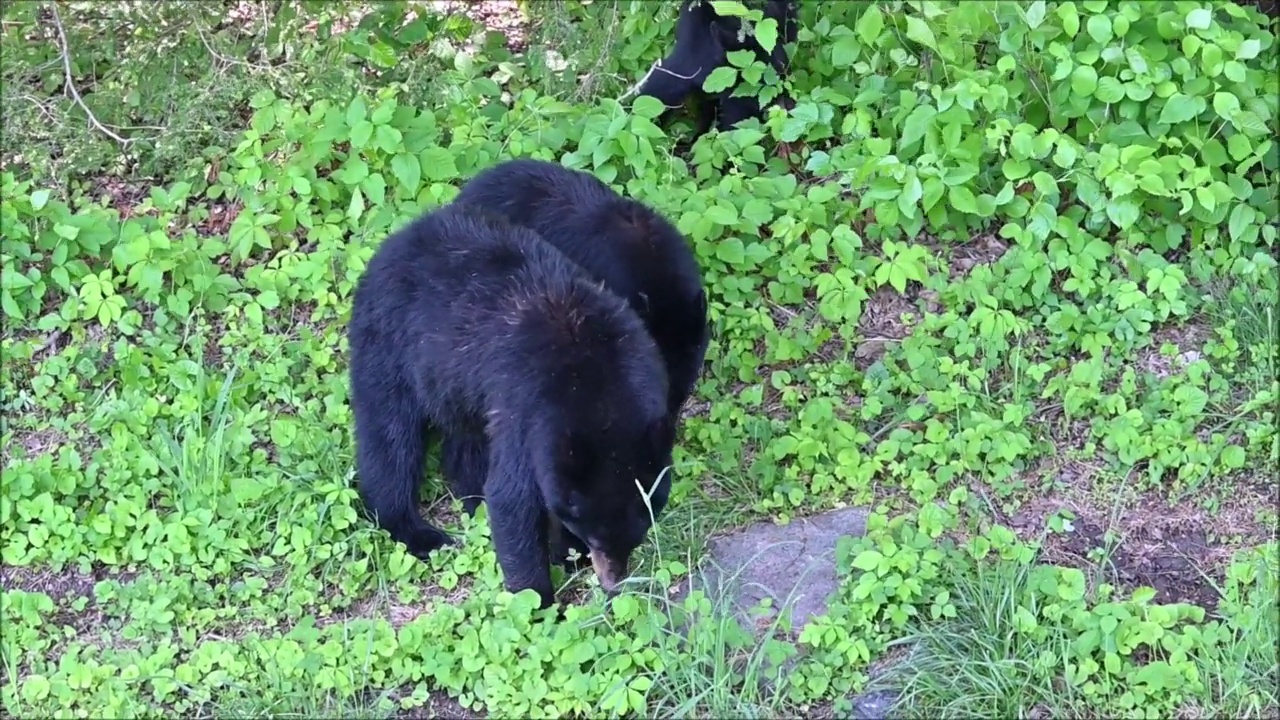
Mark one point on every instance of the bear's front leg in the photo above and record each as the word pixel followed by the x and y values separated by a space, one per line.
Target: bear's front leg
pixel 518 523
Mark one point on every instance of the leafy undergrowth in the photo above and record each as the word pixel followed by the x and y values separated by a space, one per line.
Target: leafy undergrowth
pixel 1005 267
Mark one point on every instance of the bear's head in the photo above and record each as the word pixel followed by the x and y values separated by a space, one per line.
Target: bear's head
pixel 610 484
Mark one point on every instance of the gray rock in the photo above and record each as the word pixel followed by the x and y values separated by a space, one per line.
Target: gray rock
pixel 794 564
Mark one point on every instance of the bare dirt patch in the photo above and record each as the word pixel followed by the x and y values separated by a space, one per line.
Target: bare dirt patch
pixel 439 706
pixel 1173 347
pixel 1135 538
pixel 64 587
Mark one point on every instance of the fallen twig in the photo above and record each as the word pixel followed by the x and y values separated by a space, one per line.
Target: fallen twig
pixel 75 94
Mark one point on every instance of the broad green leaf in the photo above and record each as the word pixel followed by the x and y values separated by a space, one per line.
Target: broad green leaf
pixel 407 171
pixel 269 299
pixel 844 52
pixel 357 111
pixel 356 207
pixel 360 134
pixel 388 139
pixel 1099 28
pixel 767 34
pixel 870 25
pixel 1233 456
pixel 1239 221
pixel 1180 108
pixel 383 113
pixel 1110 90
pixel 1247 121
pixel 962 199
pixel 1035 14
pixel 1249 49
pixel 722 78
pixel 919 31
pixel 731 251
pixel 1239 147
pixel 39 199
pixel 1199 19
pixel 1070 18
pixel 914 127
pixel 1124 212
pixel 438 164
pixel 1084 80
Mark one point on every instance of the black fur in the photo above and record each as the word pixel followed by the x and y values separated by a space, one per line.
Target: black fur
pixel 465 324
pixel 632 249
pixel 703 43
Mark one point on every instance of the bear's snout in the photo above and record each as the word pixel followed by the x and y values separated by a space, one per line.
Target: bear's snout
pixel 610 570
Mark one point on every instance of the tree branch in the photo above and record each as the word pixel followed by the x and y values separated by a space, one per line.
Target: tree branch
pixel 75 94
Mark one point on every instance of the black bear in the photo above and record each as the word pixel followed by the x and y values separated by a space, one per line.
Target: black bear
pixel 466 324
pixel 703 43
pixel 632 249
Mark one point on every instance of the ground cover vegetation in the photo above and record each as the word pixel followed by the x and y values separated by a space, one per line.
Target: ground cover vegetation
pixel 1005 274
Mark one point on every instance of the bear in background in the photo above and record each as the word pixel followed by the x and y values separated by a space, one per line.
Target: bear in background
pixel 703 43
pixel 466 324
pixel 635 252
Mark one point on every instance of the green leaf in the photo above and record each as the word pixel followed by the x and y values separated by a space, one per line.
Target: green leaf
pixel 1249 49
pixel 1099 28
pixel 407 171
pixel 1070 18
pixel 722 214
pixel 1110 90
pixel 647 106
pixel 388 139
pixel 356 207
pixel 1239 147
pixel 1200 19
pixel 361 133
pixel 1226 105
pixel 1247 121
pixel 438 164
pixel 357 111
pixel 868 560
pixel 383 113
pixel 1180 108
pixel 767 34
pixel 1241 216
pixel 919 31
pixel 722 78
pixel 914 127
pixel 870 25
pixel 911 194
pixel 1084 80
pixel 844 52
pixel 1233 456
pixel 269 299
pixel 1124 212
pixel 962 199
pixel 39 199
pixel 731 251
pixel 1035 14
